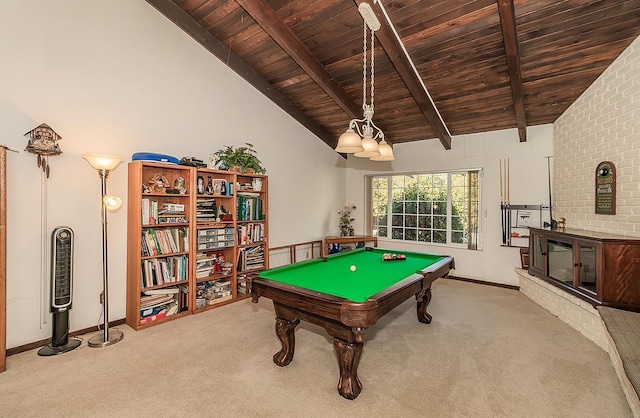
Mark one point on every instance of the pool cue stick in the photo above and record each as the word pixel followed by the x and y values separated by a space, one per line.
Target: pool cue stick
pixel 550 210
pixel 501 201
pixel 508 210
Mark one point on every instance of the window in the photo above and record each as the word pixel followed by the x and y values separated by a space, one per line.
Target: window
pixel 439 208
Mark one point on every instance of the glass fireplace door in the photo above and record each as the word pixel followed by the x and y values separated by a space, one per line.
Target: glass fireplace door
pixel 560 261
pixel 586 264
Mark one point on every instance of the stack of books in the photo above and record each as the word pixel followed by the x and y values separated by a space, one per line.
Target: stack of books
pixel 159 303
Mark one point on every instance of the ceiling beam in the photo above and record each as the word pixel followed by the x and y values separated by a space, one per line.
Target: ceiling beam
pixel 267 18
pixel 182 19
pixel 392 45
pixel 512 52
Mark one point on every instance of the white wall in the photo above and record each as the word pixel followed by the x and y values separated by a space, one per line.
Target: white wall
pixel 602 125
pixel 528 186
pixel 117 77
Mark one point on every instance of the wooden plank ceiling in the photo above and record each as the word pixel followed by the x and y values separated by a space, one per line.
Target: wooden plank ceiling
pixel 486 64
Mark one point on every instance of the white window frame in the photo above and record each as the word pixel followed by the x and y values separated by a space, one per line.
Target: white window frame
pixel 389 176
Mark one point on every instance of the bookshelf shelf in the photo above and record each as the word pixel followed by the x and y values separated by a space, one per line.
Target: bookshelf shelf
pixel 169 254
pixel 214 234
pixel 215 276
pixel 162 286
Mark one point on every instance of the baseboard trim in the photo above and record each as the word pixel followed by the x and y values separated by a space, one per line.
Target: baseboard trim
pixel 464 279
pixel 42 343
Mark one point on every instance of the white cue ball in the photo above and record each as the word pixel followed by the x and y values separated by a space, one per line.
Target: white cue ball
pixel 352 268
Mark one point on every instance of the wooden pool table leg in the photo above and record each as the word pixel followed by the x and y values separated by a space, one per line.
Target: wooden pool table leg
pixel 423 298
pixel 348 354
pixel 285 330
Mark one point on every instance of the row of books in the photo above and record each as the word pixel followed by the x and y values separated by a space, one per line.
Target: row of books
pixel 250 233
pixel 250 207
pixel 158 271
pixel 251 258
pixel 165 241
pixel 168 213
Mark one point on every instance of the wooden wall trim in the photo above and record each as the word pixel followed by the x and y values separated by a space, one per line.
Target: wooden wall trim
pixel 502 285
pixel 3 258
pixel 77 333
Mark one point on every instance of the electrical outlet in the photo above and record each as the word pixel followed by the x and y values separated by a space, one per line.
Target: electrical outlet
pixel 101 298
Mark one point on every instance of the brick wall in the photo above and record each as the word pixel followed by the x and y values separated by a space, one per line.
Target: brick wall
pixel 580 315
pixel 602 125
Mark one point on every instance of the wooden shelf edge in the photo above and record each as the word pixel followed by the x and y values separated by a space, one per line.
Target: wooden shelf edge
pixel 161 320
pixel 215 305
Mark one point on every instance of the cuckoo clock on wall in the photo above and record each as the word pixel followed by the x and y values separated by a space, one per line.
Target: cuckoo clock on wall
pixel 43 141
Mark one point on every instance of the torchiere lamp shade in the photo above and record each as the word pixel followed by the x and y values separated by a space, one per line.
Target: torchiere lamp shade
pixel 102 161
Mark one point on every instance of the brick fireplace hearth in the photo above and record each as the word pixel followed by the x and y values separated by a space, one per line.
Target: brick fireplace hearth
pixel 577 313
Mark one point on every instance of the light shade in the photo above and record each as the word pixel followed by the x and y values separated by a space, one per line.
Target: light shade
pixel 370 148
pixel 111 202
pixel 349 142
pixel 386 152
pixel 103 162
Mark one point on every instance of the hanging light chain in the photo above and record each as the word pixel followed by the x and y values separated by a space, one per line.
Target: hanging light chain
pixel 364 67
pixel 372 55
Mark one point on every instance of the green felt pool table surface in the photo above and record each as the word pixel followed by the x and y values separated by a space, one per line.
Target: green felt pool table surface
pixel 334 277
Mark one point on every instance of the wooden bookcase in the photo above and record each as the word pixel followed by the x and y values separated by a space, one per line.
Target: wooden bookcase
pixel 184 248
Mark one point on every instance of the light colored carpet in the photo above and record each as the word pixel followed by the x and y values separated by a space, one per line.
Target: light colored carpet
pixel 489 352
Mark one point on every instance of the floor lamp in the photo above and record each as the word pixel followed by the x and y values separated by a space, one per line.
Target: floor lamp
pixel 105 164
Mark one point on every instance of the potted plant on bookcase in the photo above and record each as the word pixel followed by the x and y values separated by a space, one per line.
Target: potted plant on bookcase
pixel 244 159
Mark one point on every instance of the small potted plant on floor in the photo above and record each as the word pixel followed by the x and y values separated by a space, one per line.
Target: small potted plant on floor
pixel 243 159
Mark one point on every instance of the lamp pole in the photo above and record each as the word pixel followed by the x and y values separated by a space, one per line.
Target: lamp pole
pixel 107 337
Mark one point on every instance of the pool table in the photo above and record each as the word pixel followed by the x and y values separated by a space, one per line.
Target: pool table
pixel 326 292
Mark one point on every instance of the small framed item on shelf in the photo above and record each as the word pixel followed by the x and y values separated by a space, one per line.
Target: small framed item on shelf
pixel 217 186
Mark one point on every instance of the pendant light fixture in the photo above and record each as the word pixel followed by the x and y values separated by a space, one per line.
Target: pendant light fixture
pixel 362 134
